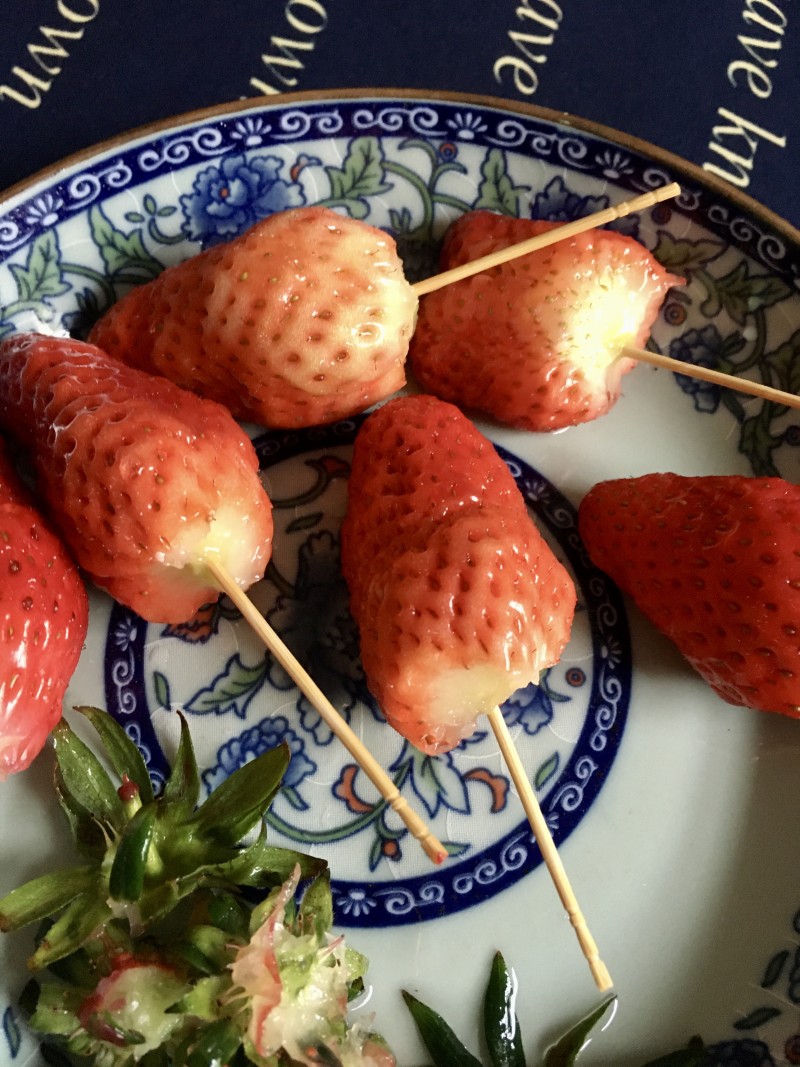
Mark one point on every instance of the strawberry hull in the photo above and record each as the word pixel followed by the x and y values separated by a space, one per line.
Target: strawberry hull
pixel 303 319
pixel 536 342
pixel 141 478
pixel 458 598
pixel 714 564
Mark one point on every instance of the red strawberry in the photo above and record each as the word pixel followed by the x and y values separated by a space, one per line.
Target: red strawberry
pixel 714 563
pixel 43 619
pixel 457 596
pixel 303 319
pixel 536 342
pixel 141 478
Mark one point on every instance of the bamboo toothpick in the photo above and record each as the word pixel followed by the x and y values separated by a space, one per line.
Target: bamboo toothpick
pixel 549 237
pixel 377 775
pixel 718 377
pixel 547 847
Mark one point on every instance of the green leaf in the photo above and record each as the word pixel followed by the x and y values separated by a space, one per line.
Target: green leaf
pixel 682 256
pixel 121 251
pixel 207 948
pixel 757 1018
pixel 232 689
pixel 125 757
pixel 546 771
pixel 501 1026
pixel 126 880
pixel 360 176
pixel 239 802
pixel 202 1000
pixel 161 688
pixel 182 790
pixel 740 293
pixel 42 275
pixel 213 1044
pixel 44 896
pixel 784 362
pixel 439 1039
pixel 496 191
pixel 774 968
pixel 78 921
pixel 84 778
pixel 565 1051
pixel 757 442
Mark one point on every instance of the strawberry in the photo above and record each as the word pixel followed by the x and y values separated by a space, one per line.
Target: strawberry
pixel 457 596
pixel 714 563
pixel 536 342
pixel 43 620
pixel 303 319
pixel 141 478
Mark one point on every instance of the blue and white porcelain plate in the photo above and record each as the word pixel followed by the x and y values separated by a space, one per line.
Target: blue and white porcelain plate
pixel 673 812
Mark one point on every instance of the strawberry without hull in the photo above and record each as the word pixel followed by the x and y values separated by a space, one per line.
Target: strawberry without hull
pixel 458 598
pixel 714 563
pixel 142 479
pixel 536 342
pixel 303 319
pixel 43 621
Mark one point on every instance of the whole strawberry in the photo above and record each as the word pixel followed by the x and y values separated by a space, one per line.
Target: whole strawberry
pixel 458 598
pixel 303 319
pixel 43 620
pixel 714 563
pixel 142 479
pixel 536 342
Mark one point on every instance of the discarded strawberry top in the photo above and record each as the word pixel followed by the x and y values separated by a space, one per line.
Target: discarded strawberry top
pixel 142 479
pixel 458 598
pixel 714 563
pixel 537 342
pixel 43 623
pixel 303 319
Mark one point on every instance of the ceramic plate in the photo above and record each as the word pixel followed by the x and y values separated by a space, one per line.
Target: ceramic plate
pixel 673 811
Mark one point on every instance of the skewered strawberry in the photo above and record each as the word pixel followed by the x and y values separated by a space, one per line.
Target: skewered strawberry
pixel 714 563
pixel 303 319
pixel 142 479
pixel 457 596
pixel 536 342
pixel 43 620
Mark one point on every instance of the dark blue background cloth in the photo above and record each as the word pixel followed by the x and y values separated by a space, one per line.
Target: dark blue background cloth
pixel 74 72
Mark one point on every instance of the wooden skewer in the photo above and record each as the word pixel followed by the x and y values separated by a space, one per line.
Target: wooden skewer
pixel 718 377
pixel 547 847
pixel 377 775
pixel 542 240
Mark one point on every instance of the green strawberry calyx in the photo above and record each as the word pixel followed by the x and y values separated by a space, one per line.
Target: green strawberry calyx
pixel 176 941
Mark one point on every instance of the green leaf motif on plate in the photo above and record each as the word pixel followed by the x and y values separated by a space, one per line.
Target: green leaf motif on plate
pixel 231 691
pixel 122 252
pixel 497 192
pixel 360 176
pixel 546 771
pixel 757 1018
pixel 740 293
pixel 42 276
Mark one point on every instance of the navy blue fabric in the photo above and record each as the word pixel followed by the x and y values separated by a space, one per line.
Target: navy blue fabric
pixel 73 72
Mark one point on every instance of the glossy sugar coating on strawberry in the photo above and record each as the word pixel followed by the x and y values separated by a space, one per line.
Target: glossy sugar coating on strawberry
pixel 142 479
pixel 303 319
pixel 458 598
pixel 43 620
pixel 714 563
pixel 536 342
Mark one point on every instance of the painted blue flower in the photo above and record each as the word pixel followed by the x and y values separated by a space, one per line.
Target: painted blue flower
pixel 251 743
pixel 532 707
pixel 226 199
pixel 742 1053
pixel 701 348
pixel 44 210
pixel 557 204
